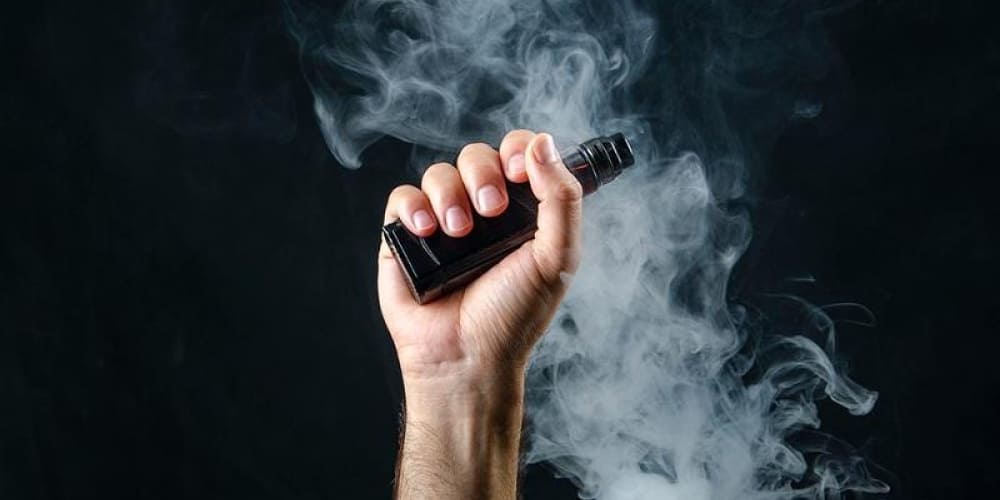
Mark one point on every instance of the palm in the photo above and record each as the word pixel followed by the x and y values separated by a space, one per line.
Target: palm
pixel 498 316
pixel 491 317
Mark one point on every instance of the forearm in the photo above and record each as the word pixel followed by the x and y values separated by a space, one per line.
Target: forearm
pixel 461 439
pixel 463 355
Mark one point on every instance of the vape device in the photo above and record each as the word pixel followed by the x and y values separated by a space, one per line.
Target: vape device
pixel 438 264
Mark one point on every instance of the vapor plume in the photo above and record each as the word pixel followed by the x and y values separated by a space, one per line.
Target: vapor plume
pixel 650 383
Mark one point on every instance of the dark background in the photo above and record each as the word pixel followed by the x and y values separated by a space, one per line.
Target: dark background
pixel 186 307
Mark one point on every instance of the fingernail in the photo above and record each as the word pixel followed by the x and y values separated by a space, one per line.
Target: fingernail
pixel 489 198
pixel 456 219
pixel 515 165
pixel 546 151
pixel 422 220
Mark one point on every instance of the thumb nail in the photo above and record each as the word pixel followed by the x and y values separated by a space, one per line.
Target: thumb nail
pixel 546 152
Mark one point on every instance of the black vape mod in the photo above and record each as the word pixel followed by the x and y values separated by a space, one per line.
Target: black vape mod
pixel 438 264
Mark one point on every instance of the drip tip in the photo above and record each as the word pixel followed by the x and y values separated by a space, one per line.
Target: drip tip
pixel 607 156
pixel 624 150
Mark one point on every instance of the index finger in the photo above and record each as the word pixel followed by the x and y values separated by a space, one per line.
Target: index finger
pixel 512 150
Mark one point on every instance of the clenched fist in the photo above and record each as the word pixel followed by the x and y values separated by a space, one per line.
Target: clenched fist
pixel 463 356
pixel 496 318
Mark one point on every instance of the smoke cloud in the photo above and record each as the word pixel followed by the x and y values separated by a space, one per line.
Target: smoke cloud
pixel 650 384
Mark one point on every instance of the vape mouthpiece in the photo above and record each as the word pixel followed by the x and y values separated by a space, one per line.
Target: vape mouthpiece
pixel 598 161
pixel 438 264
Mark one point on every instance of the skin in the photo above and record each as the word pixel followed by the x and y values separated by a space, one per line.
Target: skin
pixel 463 357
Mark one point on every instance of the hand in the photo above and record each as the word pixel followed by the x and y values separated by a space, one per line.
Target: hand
pixel 496 319
pixel 463 356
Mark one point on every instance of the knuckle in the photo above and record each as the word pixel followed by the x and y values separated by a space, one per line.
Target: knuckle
pixel 518 133
pixel 438 169
pixel 443 186
pixel 516 140
pixel 478 158
pixel 568 191
pixel 400 194
pixel 556 266
pixel 400 191
pixel 475 148
pixel 436 174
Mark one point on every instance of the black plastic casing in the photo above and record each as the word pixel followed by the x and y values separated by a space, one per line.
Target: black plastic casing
pixel 438 264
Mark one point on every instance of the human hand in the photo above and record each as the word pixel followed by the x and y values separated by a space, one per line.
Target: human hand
pixel 463 356
pixel 496 319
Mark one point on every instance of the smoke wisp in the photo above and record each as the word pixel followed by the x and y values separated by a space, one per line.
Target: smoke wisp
pixel 650 384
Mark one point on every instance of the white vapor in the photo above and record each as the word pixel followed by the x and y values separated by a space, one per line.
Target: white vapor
pixel 650 384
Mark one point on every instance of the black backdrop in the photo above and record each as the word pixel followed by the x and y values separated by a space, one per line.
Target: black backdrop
pixel 186 308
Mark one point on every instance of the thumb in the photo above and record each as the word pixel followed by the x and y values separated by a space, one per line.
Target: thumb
pixel 557 241
pixel 393 290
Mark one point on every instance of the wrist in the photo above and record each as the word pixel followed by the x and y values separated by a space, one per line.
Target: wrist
pixel 432 373
pixel 461 379
pixel 454 396
pixel 471 422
